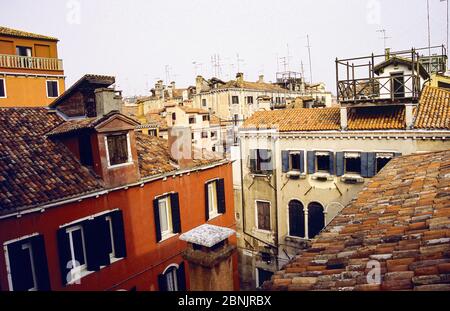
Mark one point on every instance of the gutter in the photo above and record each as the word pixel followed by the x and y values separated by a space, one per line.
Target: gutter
pixel 42 208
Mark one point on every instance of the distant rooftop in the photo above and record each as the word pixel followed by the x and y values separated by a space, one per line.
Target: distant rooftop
pixel 4 31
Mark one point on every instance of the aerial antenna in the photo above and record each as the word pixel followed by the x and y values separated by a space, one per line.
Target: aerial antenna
pixel 383 31
pixel 238 61
pixel 429 31
pixel 196 66
pixel 167 69
pixel 309 55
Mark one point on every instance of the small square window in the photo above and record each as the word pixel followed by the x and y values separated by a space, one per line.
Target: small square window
pixel 263 215
pixel 204 134
pixel 52 89
pixel 117 146
pixel 249 100
pixel 235 100
pixel 191 120
pixel 294 161
pixel 323 161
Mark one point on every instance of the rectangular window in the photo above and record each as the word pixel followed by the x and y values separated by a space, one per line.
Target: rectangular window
pixel 204 102
pixel 263 275
pixel 77 245
pixel 382 158
pixel 206 117
pixel 165 217
pixel 294 161
pixel 352 163
pixel 322 161
pixel 174 116
pixel 2 88
pixel 235 100
pixel 212 199
pixel 23 51
pixel 204 134
pixel 191 120
pixel 118 149
pixel 263 215
pixel 52 89
pixel 261 161
pixel 249 100
pixel 213 134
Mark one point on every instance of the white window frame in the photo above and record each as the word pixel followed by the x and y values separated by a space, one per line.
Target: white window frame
pixel 345 162
pixel 214 211
pixel 270 216
pixel 257 275
pixel 112 255
pixel 57 87
pixel 169 232
pixel 130 156
pixel 171 270
pixel 82 269
pixel 297 152
pixel 4 88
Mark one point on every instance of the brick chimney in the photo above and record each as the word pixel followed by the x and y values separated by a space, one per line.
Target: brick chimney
pixel 180 145
pixel 210 258
pixel 261 79
pixel 106 100
pixel 387 53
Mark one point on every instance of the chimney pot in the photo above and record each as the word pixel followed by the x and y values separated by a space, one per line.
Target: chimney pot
pixel 180 145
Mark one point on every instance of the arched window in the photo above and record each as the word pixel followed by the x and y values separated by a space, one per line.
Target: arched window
pixel 296 219
pixel 316 219
pixel 172 279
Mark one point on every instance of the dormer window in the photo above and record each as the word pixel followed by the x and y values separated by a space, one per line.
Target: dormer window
pixel 118 149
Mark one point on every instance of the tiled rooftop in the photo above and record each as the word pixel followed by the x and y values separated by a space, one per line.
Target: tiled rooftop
pixel 401 220
pixel 23 34
pixel 36 169
pixel 433 112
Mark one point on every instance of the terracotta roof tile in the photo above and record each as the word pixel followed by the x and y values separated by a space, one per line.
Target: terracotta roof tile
pixel 434 109
pixel 23 34
pixel 407 232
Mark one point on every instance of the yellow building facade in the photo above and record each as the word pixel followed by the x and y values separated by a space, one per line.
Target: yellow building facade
pixel 31 75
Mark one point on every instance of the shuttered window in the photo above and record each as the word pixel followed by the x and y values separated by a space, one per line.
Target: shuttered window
pixel 296 219
pixel 316 219
pixel 352 163
pixel 167 216
pixel 28 264
pixel 263 215
pixel 214 198
pixel 117 149
pixel 173 279
pixel 260 161
pixel 90 245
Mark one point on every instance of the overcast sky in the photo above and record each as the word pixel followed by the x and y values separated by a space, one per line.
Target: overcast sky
pixel 141 41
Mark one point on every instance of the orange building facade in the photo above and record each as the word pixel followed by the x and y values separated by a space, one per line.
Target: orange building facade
pixel 31 75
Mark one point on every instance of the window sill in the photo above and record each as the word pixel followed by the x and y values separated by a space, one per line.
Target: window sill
pixel 296 175
pixel 214 216
pixel 322 177
pixel 120 165
pixel 167 237
pixel 261 174
pixel 352 179
pixel 83 273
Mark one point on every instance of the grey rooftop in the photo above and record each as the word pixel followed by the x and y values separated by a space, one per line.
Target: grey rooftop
pixel 207 235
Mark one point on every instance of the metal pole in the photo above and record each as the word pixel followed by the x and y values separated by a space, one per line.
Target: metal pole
pixel 429 34
pixel 310 64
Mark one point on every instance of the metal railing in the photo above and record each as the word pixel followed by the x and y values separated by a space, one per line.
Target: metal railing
pixel 25 62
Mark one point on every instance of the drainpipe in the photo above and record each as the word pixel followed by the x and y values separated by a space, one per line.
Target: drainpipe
pixel 274 157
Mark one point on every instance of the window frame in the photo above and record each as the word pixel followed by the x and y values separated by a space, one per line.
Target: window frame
pixel 233 97
pixel 345 163
pixel 4 88
pixel 130 156
pixel 82 269
pixel 204 102
pixel 270 216
pixel 108 219
pixel 257 279
pixel 295 153
pixel 249 102
pixel 316 161
pixel 168 206
pixel 57 88
pixel 214 211
pixel 191 120
pixel 377 157
pixel 204 134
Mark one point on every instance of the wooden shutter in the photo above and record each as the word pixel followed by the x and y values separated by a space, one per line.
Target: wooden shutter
pixel 296 219
pixel 156 218
pixel 339 163
pixel 221 206
pixel 364 164
pixel 120 247
pixel 252 160
pixel 92 242
pixel 371 164
pixel 175 209
pixel 40 263
pixel 206 202
pixel 285 161
pixel 332 163
pixel 302 161
pixel 181 277
pixel 311 158
pixel 162 284
pixel 104 238
pixel 64 253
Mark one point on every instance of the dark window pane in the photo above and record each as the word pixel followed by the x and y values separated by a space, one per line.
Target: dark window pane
pixel 381 162
pixel 295 162
pixel 296 219
pixel 263 275
pixel 263 215
pixel 2 88
pixel 235 99
pixel 117 149
pixel 27 273
pixel 52 89
pixel 323 163
pixel 78 247
pixel 353 165
pixel 316 219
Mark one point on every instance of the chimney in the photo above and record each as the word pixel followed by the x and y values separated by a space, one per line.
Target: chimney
pixel 159 89
pixel 343 118
pixel 198 84
pixel 387 53
pixel 409 115
pixel 240 77
pixel 210 258
pixel 180 145
pixel 106 101
pixel 261 79
pixel 170 89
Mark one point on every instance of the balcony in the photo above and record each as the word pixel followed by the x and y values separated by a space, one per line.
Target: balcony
pixel 33 63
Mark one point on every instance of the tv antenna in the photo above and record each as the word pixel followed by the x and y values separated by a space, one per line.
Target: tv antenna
pixel 383 31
